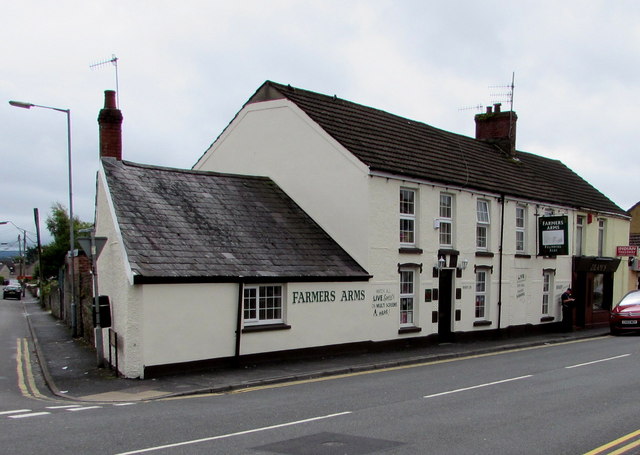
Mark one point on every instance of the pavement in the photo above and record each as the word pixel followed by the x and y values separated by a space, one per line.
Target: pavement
pixel 69 365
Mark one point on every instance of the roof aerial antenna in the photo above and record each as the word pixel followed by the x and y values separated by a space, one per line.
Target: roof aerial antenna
pixel 477 107
pixel 504 93
pixel 113 60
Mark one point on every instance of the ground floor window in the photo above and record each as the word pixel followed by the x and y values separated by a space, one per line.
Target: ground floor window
pixel 263 304
pixel 481 294
pixel 407 297
pixel 547 287
pixel 598 293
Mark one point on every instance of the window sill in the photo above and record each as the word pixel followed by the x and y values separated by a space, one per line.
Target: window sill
pixel 523 256
pixel 547 319
pixel 484 254
pixel 408 250
pixel 483 323
pixel 265 327
pixel 409 330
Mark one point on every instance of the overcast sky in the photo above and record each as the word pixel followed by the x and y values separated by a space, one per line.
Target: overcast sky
pixel 186 68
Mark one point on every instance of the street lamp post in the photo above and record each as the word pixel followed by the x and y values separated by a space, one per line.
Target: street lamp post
pixel 74 317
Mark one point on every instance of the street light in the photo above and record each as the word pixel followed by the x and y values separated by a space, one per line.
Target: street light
pixel 23 105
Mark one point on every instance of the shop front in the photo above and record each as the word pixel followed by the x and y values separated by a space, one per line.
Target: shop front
pixel 593 279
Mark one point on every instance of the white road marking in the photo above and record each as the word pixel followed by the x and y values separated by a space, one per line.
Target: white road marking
pixel 239 433
pixel 33 414
pixel 64 407
pixel 598 361
pixel 84 409
pixel 15 411
pixel 123 404
pixel 477 386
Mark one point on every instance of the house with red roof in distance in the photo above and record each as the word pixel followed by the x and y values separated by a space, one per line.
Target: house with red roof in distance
pixel 634 241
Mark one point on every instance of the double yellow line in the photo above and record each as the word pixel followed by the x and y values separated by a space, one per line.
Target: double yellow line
pixel 618 442
pixel 26 380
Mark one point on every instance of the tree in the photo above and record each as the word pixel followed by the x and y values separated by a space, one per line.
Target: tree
pixel 53 254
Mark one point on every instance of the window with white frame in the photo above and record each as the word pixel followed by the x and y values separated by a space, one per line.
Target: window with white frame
pixel 601 229
pixel 407 297
pixel 521 228
pixel 446 220
pixel 547 291
pixel 407 217
pixel 579 235
pixel 481 294
pixel 262 304
pixel 483 222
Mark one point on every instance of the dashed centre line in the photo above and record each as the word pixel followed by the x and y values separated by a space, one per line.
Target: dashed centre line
pixel 598 361
pixel 15 411
pixel 32 414
pixel 84 409
pixel 487 384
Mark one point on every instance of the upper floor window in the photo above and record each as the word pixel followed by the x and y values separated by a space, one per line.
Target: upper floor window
pixel 262 304
pixel 482 227
pixel 407 217
pixel 521 226
pixel 579 235
pixel 601 233
pixel 446 219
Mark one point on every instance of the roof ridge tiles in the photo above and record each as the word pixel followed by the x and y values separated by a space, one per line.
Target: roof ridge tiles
pixel 391 143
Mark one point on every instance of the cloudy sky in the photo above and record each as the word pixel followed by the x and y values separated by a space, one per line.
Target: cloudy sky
pixel 185 68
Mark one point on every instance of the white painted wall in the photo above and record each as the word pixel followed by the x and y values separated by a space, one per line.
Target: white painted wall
pixel 116 280
pixel 341 319
pixel 188 322
pixel 276 139
pixel 522 276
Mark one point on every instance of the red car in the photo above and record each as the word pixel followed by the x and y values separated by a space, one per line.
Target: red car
pixel 625 316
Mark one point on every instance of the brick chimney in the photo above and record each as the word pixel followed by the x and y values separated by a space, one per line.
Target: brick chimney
pixel 499 128
pixel 110 122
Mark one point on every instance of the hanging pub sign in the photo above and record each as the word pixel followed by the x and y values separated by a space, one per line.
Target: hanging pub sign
pixel 553 235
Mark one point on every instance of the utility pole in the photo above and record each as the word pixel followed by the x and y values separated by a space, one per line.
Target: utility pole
pixel 20 254
pixel 36 215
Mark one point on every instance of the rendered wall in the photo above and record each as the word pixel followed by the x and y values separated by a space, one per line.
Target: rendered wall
pixel 115 280
pixel 319 314
pixel 188 322
pixel 522 275
pixel 276 139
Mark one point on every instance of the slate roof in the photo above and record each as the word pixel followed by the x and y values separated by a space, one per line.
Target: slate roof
pixel 389 143
pixel 194 226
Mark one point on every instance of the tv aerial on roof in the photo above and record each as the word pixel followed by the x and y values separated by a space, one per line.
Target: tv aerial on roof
pixel 503 93
pixel 114 61
pixel 498 94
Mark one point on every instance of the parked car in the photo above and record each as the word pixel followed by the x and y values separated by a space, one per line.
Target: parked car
pixel 12 291
pixel 625 316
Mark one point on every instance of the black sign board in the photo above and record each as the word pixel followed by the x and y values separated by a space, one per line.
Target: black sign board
pixel 553 235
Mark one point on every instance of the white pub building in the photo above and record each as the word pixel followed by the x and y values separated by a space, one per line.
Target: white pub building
pixel 315 224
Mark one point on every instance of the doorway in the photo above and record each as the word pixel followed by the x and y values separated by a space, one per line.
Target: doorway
pixel 445 305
